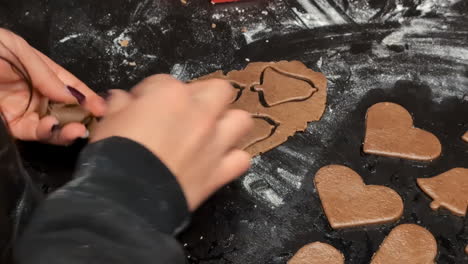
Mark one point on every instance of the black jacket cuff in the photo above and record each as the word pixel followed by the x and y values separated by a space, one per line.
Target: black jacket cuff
pixel 129 174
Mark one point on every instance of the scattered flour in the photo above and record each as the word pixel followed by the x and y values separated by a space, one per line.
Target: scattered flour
pixel 69 37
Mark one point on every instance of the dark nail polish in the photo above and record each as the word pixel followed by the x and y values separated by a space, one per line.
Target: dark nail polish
pixel 55 128
pixel 106 95
pixel 77 94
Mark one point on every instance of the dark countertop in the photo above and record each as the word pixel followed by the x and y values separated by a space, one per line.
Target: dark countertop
pixel 413 52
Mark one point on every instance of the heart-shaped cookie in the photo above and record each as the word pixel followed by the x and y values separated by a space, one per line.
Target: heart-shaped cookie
pixel 407 244
pixel 317 253
pixel 448 190
pixel 390 132
pixel 349 202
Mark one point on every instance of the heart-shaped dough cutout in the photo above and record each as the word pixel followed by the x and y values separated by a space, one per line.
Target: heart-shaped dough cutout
pixel 349 202
pixel 317 253
pixel 390 132
pixel 407 244
pixel 448 190
pixel 465 136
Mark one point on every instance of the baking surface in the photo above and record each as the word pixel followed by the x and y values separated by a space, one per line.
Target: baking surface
pixel 411 52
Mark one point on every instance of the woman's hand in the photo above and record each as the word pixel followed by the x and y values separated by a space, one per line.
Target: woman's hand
pixel 188 126
pixel 49 82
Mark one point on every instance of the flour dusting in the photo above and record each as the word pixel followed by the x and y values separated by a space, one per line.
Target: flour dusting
pixel 69 37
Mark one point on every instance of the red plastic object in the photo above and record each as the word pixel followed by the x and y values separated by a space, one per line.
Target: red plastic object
pixel 223 1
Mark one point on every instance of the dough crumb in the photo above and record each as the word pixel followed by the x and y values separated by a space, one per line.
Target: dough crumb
pixel 184 2
pixel 213 25
pixel 124 42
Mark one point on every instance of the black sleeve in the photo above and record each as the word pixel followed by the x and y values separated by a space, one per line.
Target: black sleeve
pixel 123 206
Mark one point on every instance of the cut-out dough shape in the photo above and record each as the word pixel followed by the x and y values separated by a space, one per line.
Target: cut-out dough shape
pixel 390 132
pixel 465 136
pixel 448 190
pixel 272 89
pixel 292 116
pixel 317 253
pixel 264 127
pixel 407 244
pixel 69 113
pixel 66 113
pixel 349 202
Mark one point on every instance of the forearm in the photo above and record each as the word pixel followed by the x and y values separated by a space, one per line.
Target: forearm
pixel 124 206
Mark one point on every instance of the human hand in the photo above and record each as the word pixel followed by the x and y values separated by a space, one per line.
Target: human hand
pixel 21 68
pixel 188 126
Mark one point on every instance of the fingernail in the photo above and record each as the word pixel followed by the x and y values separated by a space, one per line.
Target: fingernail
pixel 86 134
pixel 77 94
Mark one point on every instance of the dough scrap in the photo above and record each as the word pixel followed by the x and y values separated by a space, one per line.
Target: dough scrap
pixel 293 109
pixel 349 202
pixel 465 136
pixel 68 113
pixel 317 253
pixel 407 244
pixel 448 190
pixel 390 132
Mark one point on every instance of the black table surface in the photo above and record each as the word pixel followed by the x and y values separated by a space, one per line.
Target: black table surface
pixel 412 52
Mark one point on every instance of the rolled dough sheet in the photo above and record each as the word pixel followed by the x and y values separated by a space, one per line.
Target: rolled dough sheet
pixel 317 253
pixel 390 132
pixel 349 202
pixel 407 244
pixel 293 95
pixel 263 129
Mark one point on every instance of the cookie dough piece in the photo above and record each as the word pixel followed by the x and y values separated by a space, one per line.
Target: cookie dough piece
pixel 465 136
pixel 349 202
pixel 275 90
pixel 317 253
pixel 290 106
pixel 448 190
pixel 407 244
pixel 390 132
pixel 66 113
pixel 263 129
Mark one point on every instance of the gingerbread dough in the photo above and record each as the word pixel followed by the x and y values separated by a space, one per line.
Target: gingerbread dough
pixel 349 202
pixel 264 127
pixel 294 95
pixel 390 132
pixel 407 244
pixel 69 113
pixel 272 87
pixel 66 113
pixel 317 253
pixel 465 136
pixel 448 190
